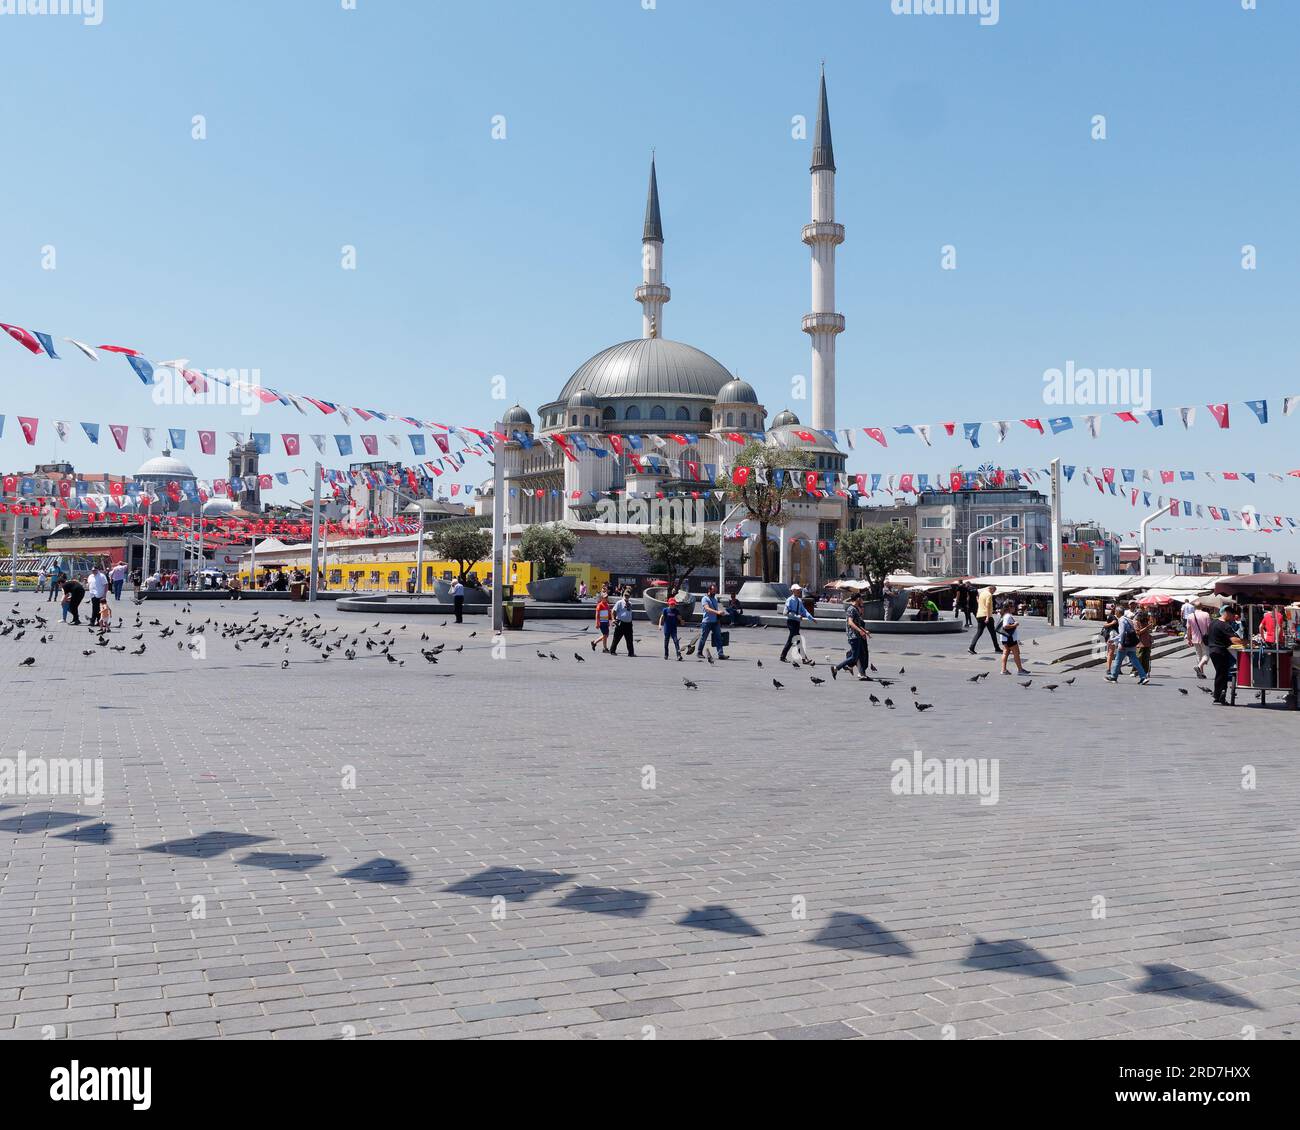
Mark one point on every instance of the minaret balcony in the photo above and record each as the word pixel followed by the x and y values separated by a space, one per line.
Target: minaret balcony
pixel 653 292
pixel 823 233
pixel 823 323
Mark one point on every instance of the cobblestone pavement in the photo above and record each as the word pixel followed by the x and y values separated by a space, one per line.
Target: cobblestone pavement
pixel 539 847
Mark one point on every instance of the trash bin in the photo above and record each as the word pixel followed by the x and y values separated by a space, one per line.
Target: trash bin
pixel 513 614
pixel 297 590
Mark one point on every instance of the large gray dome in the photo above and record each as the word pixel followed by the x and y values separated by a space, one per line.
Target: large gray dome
pixel 648 367
pixel 165 465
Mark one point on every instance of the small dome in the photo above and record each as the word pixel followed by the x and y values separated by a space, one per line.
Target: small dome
pixel 784 418
pixel 517 415
pixel 164 466
pixel 583 399
pixel 737 392
pixel 217 507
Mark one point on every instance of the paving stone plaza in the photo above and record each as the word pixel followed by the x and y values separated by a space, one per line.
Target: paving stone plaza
pixel 502 844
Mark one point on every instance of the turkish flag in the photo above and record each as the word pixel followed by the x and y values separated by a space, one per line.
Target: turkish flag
pixel 263 482
pixel 29 425
pixel 810 481
pixel 291 444
pixel 208 443
pixel 119 435
pixel 120 349
pixel 1220 413
pixel 956 481
pixel 877 435
pixel 740 475
pixel 22 337
pixel 371 444
pixel 807 437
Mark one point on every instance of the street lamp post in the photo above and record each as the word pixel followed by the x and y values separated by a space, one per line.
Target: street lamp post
pixel 977 533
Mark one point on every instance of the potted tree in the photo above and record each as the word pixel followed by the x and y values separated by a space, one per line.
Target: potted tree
pixel 879 551
pixel 677 551
pixel 548 547
pixel 464 545
pixel 766 481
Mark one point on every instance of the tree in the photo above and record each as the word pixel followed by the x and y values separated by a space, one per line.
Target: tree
pixel 878 551
pixel 680 551
pixel 463 544
pixel 753 486
pixel 548 547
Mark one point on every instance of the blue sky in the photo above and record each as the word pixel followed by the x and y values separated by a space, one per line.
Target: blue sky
pixel 518 257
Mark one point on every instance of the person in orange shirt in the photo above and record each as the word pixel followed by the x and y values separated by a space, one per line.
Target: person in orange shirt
pixel 603 613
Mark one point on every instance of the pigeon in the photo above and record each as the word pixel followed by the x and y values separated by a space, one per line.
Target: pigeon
pixel 914 690
pixel 874 700
pixel 1070 681
pixel 973 679
pixel 461 648
pixel 1027 683
pixel 122 648
pixel 91 651
pixel 283 664
pixel 816 682
pixel 889 702
pixel 1205 690
pixel 885 682
pixel 139 637
pixel 710 659
pixel 30 661
pixel 139 650
pixel 1181 690
pixel 1051 686
pixel 693 686
pixel 472 635
pixel 578 657
pixel 1034 642
pixel 794 663
pixel 760 663
pixel 390 658
pixel 923 705
pixel 774 682
pixel 902 670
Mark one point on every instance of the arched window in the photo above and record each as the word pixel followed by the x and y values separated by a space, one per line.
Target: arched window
pixel 658 413
pixel 633 413
pixel 573 420
pixel 683 413
pixel 608 413
pixel 706 417
pixel 586 419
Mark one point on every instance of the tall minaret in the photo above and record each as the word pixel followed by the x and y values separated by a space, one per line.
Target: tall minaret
pixel 823 235
pixel 652 294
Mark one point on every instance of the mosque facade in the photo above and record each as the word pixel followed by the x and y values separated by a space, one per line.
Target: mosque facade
pixel 656 418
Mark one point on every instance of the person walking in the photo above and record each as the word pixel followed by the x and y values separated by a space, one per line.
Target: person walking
pixel 1126 648
pixel 795 613
pixel 1219 641
pixel 73 594
pixel 669 619
pixel 1009 627
pixel 603 614
pixel 710 629
pixel 97 584
pixel 855 627
pixel 623 623
pixel 1146 637
pixel 985 619
pixel 117 578
pixel 56 583
pixel 1198 627
pixel 458 600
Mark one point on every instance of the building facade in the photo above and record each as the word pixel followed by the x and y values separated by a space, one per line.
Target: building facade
pixel 1008 531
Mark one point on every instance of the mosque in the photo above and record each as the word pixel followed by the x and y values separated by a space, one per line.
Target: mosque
pixel 690 414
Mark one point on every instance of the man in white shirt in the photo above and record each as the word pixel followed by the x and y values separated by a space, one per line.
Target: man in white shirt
pixel 117 576
pixel 1198 626
pixel 97 586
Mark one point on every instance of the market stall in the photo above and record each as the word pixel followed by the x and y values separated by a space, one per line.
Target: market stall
pixel 1266 663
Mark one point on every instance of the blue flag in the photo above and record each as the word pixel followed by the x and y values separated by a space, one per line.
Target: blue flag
pixel 262 441
pixel 344 444
pixel 1157 418
pixel 417 443
pixel 177 437
pixel 142 368
pixel 1060 424
pixel 47 343
pixel 1259 407
pixel 971 432
pixel 92 432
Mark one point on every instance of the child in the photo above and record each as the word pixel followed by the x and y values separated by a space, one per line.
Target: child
pixel 105 616
pixel 668 621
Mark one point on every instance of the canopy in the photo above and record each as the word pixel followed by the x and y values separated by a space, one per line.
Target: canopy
pixel 1261 588
pixel 1155 598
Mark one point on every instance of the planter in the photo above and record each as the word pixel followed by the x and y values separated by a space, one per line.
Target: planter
pixel 553 590
pixel 763 595
pixel 655 599
pixel 473 597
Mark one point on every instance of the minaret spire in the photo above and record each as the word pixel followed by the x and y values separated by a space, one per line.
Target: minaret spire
pixel 823 236
pixel 652 293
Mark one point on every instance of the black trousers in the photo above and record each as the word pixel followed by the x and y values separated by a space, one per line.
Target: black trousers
pixel 859 656
pixel 792 627
pixel 95 603
pixel 459 603
pixel 1222 661
pixel 74 603
pixel 622 631
pixel 983 624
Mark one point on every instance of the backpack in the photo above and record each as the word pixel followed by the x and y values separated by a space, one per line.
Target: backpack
pixel 1128 636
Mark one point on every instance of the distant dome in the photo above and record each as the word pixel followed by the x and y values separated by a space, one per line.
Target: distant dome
pixel 583 399
pixel 648 367
pixel 737 392
pixel 784 418
pixel 166 467
pixel 217 507
pixel 517 415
